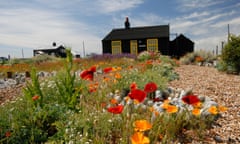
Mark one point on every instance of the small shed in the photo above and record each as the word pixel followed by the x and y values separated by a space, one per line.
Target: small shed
pixel 180 46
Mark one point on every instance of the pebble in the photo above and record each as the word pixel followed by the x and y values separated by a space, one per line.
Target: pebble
pixel 218 139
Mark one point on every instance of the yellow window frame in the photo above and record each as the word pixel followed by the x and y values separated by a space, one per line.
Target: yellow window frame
pixel 152 45
pixel 116 47
pixel 133 47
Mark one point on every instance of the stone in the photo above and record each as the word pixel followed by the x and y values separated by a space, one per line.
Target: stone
pixel 218 139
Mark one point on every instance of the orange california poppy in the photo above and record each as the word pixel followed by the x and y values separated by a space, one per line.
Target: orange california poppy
pixel 172 109
pixel 117 76
pixel 213 110
pixel 165 104
pixel 222 108
pixel 113 101
pixel 196 112
pixel 142 125
pixel 139 138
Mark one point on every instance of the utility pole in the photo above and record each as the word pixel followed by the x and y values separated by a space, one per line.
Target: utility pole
pixel 222 46
pixel 83 49
pixel 22 54
pixel 228 32
pixel 216 50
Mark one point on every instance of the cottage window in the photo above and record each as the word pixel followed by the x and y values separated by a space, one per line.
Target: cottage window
pixel 133 47
pixel 152 45
pixel 116 47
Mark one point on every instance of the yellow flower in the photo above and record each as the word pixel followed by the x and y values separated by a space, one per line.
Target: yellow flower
pixel 139 138
pixel 142 125
pixel 222 108
pixel 172 109
pixel 213 110
pixel 196 112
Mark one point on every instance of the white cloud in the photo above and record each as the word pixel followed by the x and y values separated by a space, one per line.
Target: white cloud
pixel 108 6
pixel 30 29
pixel 186 5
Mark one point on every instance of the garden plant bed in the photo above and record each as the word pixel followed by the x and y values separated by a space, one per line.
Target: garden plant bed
pixel 222 88
pixel 204 81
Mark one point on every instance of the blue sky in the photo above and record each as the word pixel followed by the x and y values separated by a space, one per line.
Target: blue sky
pixel 31 24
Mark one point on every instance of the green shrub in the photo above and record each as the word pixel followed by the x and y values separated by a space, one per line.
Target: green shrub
pixel 231 54
pixel 145 55
pixel 44 58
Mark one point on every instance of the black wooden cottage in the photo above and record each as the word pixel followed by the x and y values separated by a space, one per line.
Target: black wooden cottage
pixel 149 38
pixel 58 51
pixel 137 39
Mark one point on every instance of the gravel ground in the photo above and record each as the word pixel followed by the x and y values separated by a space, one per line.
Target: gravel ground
pixel 10 93
pixel 222 88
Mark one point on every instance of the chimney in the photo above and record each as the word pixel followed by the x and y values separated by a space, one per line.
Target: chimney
pixel 127 24
pixel 54 44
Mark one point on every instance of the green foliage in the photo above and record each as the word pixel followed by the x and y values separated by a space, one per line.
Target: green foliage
pixel 34 89
pixel 21 61
pixel 44 58
pixel 145 55
pixel 65 84
pixel 231 54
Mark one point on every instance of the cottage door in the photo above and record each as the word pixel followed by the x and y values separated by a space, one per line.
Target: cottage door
pixel 133 47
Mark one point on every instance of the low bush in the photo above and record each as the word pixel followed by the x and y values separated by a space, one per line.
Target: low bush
pixel 198 57
pixel 231 55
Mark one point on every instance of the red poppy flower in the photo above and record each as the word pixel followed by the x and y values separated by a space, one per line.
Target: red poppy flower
pixel 133 86
pixel 88 74
pixel 36 97
pixel 107 70
pixel 137 94
pixel 8 134
pixel 191 99
pixel 150 87
pixel 93 69
pixel 116 109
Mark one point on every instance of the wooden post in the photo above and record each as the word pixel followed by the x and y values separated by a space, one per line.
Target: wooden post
pixel 9 74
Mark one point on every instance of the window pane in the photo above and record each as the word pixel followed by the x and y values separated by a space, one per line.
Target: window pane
pixel 116 47
pixel 152 45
